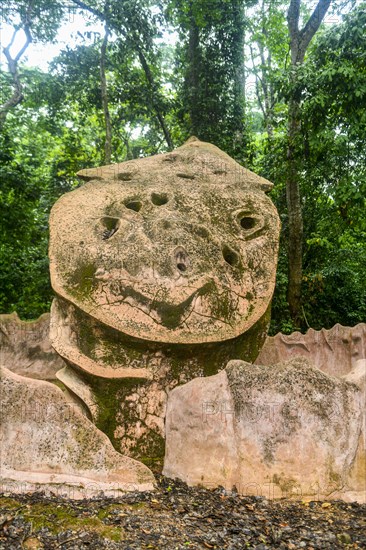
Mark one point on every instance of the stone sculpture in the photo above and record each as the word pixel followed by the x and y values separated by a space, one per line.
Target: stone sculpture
pixel 164 269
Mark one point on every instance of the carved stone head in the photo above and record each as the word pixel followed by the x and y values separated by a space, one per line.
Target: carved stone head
pixel 175 248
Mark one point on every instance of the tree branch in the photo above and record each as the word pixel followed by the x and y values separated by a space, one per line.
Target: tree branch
pixel 293 15
pixel 17 96
pixel 144 63
pixel 85 7
pixel 313 24
pixel 257 81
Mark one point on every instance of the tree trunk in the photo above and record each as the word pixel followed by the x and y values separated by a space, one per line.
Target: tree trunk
pixel 159 114
pixel 193 77
pixel 295 236
pixel 299 42
pixel 239 75
pixel 103 84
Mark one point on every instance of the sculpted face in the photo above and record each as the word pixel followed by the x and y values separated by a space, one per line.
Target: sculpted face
pixel 178 248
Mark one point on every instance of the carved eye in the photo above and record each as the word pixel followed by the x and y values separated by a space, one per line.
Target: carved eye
pixel 247 222
pixel 110 227
pixel 181 258
pixel 250 224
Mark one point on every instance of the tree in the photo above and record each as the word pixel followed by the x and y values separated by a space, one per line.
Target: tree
pixel 210 59
pixel 267 44
pixel 133 22
pixel 334 131
pixel 104 91
pixel 299 42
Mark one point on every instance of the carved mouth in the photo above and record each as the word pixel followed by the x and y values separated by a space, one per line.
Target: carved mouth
pixel 170 315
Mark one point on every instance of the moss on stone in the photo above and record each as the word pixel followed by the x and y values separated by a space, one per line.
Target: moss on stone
pixel 61 517
pixel 169 364
pixel 82 280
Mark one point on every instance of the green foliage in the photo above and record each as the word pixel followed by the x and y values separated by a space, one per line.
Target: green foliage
pixel 210 78
pixel 24 279
pixel 332 177
pixel 197 86
pixel 44 16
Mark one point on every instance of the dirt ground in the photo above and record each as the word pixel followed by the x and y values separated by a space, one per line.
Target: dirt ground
pixel 178 517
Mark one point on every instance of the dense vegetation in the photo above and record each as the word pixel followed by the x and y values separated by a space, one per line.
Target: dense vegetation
pixel 280 86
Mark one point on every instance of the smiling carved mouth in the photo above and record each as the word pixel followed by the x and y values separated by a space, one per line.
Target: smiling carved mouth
pixel 171 316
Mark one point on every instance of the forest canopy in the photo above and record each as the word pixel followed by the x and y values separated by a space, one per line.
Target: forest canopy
pixel 279 86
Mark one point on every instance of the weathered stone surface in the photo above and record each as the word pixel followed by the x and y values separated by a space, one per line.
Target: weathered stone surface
pixel 334 351
pixel 358 472
pixel 284 430
pixel 164 269
pixel 47 444
pixel 26 349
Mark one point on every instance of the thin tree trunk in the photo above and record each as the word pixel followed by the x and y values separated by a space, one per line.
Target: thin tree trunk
pixel 150 80
pixel 104 90
pixel 239 74
pixel 295 237
pixel 299 42
pixel 192 83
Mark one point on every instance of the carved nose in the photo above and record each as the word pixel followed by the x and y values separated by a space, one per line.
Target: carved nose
pixel 181 259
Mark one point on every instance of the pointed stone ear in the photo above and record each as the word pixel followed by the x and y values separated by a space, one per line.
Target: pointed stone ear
pixel 266 185
pixel 191 139
pixel 253 181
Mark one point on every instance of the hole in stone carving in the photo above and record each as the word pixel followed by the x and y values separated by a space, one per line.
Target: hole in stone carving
pixel 230 256
pixel 247 222
pixel 181 257
pixel 125 176
pixel 186 175
pixel 133 205
pixel 171 158
pixel 110 225
pixel 159 198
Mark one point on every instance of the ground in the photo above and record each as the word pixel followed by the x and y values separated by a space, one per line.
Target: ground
pixel 178 517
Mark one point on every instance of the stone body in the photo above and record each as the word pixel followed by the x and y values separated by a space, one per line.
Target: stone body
pixel 334 351
pixel 47 444
pixel 166 275
pixel 280 431
pixel 25 347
